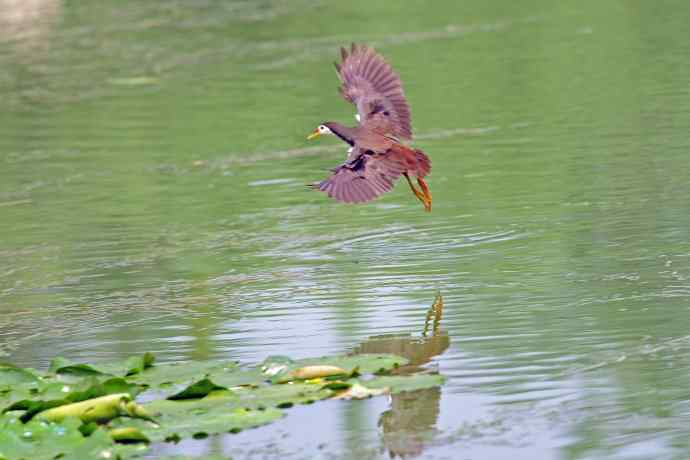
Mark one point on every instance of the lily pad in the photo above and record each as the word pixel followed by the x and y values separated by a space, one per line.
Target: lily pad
pixel 363 363
pixel 13 375
pixel 38 440
pixel 65 367
pixel 168 375
pixel 197 390
pixel 360 389
pixel 281 370
pixel 282 396
pixel 10 394
pixel 199 418
pixel 130 366
pixel 101 388
pixel 133 365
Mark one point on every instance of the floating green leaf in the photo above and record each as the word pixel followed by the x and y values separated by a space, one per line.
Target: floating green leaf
pixel 106 387
pixel 10 394
pixel 31 408
pixel 131 366
pixel 128 435
pixel 363 363
pixel 63 366
pixel 38 440
pixel 282 396
pixel 337 385
pixel 197 390
pixel 13 375
pixel 17 384
pixel 161 376
pixel 199 417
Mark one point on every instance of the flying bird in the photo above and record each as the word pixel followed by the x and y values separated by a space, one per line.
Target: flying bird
pixel 377 157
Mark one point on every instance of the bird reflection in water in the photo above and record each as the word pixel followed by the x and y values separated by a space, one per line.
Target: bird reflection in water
pixel 409 424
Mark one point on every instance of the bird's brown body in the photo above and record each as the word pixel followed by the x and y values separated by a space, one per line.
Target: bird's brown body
pixel 377 157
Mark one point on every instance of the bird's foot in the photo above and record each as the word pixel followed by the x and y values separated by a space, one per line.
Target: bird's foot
pixel 420 195
pixel 426 192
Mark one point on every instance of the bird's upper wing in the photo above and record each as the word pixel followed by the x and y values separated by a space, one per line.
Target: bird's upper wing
pixel 372 85
pixel 365 177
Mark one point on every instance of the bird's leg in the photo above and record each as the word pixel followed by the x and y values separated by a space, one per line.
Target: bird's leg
pixel 416 192
pixel 427 193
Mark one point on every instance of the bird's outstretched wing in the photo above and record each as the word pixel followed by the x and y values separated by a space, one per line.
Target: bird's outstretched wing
pixel 364 178
pixel 375 89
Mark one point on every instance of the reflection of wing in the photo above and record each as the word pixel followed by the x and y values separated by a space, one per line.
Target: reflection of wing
pixel 364 178
pixel 370 83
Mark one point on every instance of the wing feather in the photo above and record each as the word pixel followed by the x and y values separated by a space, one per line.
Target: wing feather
pixel 362 179
pixel 370 83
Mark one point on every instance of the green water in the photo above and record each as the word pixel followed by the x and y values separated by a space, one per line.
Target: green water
pixel 152 169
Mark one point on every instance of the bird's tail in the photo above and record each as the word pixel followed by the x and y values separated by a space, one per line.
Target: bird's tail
pixel 423 163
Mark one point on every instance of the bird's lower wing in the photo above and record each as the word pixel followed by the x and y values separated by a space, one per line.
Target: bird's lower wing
pixel 364 178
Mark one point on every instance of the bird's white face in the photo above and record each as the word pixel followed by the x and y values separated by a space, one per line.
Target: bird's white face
pixel 320 131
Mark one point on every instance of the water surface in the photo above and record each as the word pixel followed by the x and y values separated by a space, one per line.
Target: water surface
pixel 152 169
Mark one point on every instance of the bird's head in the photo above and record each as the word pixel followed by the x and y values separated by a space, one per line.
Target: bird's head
pixel 322 129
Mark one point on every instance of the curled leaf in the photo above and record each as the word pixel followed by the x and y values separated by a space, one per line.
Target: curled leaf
pixel 359 391
pixel 337 385
pixel 32 408
pixel 128 435
pixel 197 390
pixel 274 369
pixel 97 410
pixel 132 409
pixel 61 366
pixel 276 365
pixel 137 364
pixel 313 372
